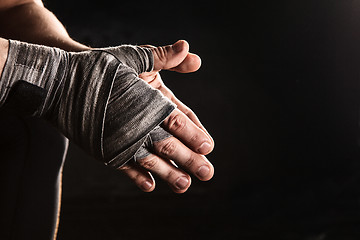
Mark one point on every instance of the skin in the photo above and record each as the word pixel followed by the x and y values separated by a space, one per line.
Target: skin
pixel 191 141
pixel 173 159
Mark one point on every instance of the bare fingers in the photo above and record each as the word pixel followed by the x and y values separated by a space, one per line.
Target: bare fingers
pixel 178 180
pixel 179 125
pixel 142 178
pixel 156 82
pixel 182 107
pixel 191 162
pixel 177 175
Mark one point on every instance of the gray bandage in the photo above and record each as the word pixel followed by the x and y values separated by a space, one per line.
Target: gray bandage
pixel 156 135
pixel 94 98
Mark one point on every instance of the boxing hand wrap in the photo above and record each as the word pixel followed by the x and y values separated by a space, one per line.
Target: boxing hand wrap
pixel 156 135
pixel 95 98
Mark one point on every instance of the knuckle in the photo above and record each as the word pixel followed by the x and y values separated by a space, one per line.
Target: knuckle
pixel 124 167
pixel 189 162
pixel 168 148
pixel 137 177
pixel 161 54
pixel 148 162
pixel 194 138
pixel 176 123
pixel 165 91
pixel 188 112
pixel 170 175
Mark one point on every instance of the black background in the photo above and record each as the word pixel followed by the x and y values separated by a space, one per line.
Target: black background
pixel 279 92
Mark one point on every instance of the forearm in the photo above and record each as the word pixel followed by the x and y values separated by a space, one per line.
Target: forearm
pixel 31 22
pixel 95 98
pixel 4 46
pixel 54 78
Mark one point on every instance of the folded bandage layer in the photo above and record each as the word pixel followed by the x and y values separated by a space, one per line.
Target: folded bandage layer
pixel 95 98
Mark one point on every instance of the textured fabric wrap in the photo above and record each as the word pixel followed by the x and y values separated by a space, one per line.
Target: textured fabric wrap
pixel 95 98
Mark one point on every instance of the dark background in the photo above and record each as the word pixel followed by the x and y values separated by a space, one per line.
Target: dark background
pixel 279 92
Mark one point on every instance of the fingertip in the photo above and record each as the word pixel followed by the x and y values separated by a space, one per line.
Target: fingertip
pixel 147 186
pixel 181 187
pixel 181 45
pixel 211 173
pixel 206 148
pixel 191 63
pixel 194 62
pixel 211 142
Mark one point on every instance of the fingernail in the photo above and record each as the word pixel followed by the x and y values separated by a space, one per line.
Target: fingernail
pixel 204 148
pixel 203 171
pixel 146 185
pixel 181 183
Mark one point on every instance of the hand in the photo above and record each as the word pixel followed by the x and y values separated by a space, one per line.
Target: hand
pixel 190 141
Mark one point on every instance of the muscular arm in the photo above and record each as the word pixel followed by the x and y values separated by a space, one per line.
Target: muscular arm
pixel 30 21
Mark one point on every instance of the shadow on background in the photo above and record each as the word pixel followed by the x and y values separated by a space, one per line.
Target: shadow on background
pixel 279 92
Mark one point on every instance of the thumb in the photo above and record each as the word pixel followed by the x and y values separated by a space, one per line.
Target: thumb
pixel 176 57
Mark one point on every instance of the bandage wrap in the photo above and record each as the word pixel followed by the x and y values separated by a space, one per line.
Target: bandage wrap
pixel 95 98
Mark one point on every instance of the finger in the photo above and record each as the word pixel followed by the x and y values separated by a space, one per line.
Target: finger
pixel 179 125
pixel 191 63
pixel 181 106
pixel 196 164
pixel 170 56
pixel 139 176
pixel 175 57
pixel 158 84
pixel 189 113
pixel 178 180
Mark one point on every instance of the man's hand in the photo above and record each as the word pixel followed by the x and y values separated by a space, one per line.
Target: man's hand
pixel 174 157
